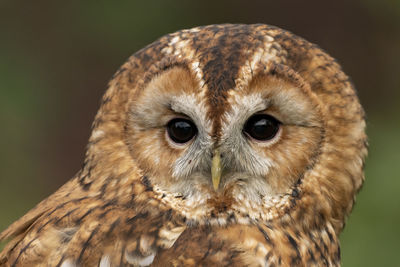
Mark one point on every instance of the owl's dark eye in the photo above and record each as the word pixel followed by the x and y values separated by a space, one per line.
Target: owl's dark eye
pixel 262 127
pixel 181 130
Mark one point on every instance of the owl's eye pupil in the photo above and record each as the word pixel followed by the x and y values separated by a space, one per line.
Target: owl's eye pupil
pixel 181 130
pixel 262 127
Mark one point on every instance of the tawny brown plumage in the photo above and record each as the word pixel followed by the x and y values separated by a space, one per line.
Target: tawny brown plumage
pixel 142 198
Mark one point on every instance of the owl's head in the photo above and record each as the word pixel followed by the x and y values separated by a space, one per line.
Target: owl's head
pixel 234 119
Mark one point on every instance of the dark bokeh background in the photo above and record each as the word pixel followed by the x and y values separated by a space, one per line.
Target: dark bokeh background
pixel 57 56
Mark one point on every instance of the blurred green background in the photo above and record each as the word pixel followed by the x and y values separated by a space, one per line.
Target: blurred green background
pixel 57 56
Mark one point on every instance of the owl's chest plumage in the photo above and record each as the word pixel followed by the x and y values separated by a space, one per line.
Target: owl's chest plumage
pixel 244 236
pixel 111 233
pixel 257 245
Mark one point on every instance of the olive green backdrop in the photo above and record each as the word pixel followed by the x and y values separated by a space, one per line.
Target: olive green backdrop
pixel 57 56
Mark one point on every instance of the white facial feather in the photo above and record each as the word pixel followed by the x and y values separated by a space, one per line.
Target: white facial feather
pixel 196 158
pixel 234 144
pixel 240 160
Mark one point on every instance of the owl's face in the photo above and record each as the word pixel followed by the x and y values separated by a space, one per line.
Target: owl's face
pixel 223 120
pixel 263 137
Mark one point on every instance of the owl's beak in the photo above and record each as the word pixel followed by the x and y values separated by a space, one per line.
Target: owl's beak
pixel 216 169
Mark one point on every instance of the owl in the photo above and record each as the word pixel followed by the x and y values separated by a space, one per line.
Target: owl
pixel 221 145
